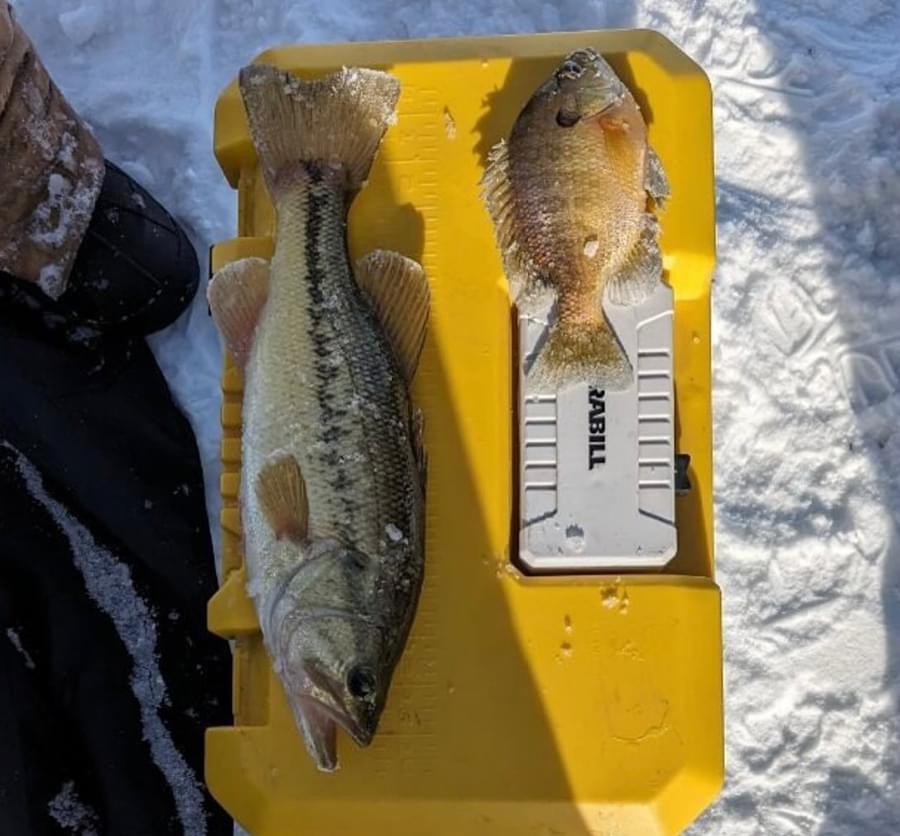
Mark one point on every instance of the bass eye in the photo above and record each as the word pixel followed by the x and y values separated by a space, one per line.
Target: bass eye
pixel 360 682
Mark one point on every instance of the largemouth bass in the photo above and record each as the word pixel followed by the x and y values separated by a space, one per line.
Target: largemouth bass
pixel 332 475
pixel 568 194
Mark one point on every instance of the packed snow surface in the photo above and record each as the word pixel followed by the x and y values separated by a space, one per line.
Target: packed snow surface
pixel 806 319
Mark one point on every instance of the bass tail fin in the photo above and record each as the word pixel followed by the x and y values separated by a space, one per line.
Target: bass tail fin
pixel 584 352
pixel 336 121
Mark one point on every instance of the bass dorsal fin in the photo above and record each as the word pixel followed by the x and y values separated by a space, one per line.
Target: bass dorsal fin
pixel 398 291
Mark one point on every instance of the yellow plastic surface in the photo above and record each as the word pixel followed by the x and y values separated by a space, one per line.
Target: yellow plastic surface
pixel 566 705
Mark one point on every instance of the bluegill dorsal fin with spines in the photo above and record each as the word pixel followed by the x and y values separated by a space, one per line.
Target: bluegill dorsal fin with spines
pixel 496 191
pixel 336 121
pixel 282 496
pixel 656 181
pixel 237 294
pixel 398 290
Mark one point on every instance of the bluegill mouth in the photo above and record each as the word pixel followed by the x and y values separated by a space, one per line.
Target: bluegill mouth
pixel 576 63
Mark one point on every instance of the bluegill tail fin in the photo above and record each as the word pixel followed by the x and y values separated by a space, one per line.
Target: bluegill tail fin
pixel 336 122
pixel 581 353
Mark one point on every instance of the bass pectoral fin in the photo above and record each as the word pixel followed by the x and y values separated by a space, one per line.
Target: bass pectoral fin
pixel 398 290
pixel 281 492
pixel 236 296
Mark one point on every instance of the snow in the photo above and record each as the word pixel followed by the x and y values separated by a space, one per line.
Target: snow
pixel 807 340
pixel 70 813
pixel 16 641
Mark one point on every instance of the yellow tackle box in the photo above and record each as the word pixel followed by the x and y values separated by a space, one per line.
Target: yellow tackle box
pixel 541 706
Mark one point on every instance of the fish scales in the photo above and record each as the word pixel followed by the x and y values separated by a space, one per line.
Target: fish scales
pixel 331 393
pixel 570 195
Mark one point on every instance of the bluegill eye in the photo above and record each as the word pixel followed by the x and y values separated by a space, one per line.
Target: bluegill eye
pixel 360 682
pixel 566 118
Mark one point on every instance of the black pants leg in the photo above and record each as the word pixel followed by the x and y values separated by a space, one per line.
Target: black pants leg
pixel 108 675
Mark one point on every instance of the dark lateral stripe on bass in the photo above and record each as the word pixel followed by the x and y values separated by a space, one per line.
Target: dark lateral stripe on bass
pixel 319 198
pixel 331 309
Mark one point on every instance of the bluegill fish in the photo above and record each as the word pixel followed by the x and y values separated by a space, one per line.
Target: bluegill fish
pixel 568 194
pixel 332 474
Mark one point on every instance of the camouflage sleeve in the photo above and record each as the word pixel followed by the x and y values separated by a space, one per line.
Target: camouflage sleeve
pixel 52 167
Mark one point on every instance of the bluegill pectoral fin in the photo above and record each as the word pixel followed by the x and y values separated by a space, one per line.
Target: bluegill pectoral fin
pixel 281 492
pixel 236 295
pixel 399 293
pixel 641 273
pixel 655 181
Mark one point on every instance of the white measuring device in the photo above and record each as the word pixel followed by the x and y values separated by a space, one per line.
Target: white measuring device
pixel 596 467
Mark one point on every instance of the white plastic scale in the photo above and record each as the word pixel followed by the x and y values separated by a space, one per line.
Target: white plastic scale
pixel 596 468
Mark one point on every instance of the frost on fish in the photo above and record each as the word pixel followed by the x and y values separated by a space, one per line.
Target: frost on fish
pixel 110 586
pixel 68 810
pixel 52 280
